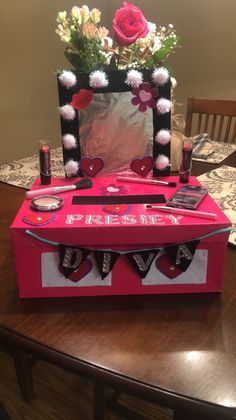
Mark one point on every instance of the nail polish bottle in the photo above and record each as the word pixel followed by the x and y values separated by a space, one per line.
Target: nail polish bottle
pixel 186 162
pixel 45 162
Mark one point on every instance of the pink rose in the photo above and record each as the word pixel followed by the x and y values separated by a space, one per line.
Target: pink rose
pixel 129 24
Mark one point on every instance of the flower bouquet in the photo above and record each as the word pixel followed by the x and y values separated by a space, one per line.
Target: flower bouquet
pixel 115 105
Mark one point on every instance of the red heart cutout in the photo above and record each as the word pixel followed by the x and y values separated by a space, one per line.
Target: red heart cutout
pixel 142 166
pixel 38 219
pixel 166 267
pixel 84 268
pixel 91 167
pixel 117 208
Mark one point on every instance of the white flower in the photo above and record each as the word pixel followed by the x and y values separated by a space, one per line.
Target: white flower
pixel 156 44
pixel 162 162
pixel 75 13
pixel 151 27
pixel 67 78
pixel 160 76
pixel 69 141
pixel 85 14
pixel 61 17
pixel 67 112
pixel 163 137
pixel 95 16
pixel 134 78
pixel 107 41
pixel 64 33
pixel 163 105
pixel 98 79
pixel 71 167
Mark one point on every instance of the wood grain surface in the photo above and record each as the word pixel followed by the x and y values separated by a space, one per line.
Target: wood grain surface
pixel 62 395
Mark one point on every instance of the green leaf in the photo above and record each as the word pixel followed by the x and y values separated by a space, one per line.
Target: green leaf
pixel 168 46
pixel 76 61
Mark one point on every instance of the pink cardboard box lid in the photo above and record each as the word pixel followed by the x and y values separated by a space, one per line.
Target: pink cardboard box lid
pixel 133 224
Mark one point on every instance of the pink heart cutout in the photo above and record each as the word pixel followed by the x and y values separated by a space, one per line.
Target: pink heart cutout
pixel 142 166
pixel 145 96
pixel 91 167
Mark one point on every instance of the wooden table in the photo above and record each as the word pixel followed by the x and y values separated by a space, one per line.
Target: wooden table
pixel 179 351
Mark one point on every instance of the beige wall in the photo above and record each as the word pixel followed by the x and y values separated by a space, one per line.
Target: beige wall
pixel 31 51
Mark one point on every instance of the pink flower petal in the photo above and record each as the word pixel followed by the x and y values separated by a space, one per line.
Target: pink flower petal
pixel 142 107
pixel 151 103
pixel 146 86
pixel 135 101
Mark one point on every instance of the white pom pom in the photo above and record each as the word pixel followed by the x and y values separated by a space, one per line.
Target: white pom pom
pixel 134 78
pixel 173 82
pixel 67 112
pixel 162 162
pixel 160 76
pixel 98 79
pixel 71 167
pixel 163 105
pixel 69 141
pixel 163 137
pixel 67 78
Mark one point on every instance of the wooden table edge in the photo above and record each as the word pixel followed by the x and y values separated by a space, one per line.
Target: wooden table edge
pixel 115 380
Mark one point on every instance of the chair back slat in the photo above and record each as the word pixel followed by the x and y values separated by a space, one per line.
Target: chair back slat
pixel 212 116
pixel 234 133
pixel 227 129
pixel 206 123
pixel 220 128
pixel 213 127
pixel 199 123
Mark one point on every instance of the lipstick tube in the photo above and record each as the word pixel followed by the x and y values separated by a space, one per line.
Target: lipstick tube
pixel 186 163
pixel 45 162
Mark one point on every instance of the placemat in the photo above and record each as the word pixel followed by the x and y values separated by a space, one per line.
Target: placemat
pixel 221 184
pixel 221 152
pixel 22 173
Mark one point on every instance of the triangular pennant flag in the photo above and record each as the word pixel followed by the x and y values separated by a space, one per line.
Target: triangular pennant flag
pixel 181 255
pixel 142 260
pixel 105 261
pixel 70 258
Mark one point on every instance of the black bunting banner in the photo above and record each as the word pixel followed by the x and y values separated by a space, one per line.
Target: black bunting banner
pixel 70 258
pixel 181 255
pixel 105 261
pixel 142 260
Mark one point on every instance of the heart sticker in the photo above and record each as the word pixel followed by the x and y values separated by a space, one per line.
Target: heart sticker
pixel 91 167
pixel 84 268
pixel 166 267
pixel 112 189
pixel 145 96
pixel 142 166
pixel 38 219
pixel 117 208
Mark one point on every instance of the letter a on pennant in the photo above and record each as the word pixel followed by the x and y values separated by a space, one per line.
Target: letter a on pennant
pixel 181 255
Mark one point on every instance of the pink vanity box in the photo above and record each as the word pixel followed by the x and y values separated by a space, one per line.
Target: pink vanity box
pixel 140 238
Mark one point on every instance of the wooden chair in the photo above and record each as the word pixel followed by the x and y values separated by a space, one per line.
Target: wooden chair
pixel 216 117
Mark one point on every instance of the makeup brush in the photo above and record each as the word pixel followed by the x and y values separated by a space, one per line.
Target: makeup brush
pixel 80 185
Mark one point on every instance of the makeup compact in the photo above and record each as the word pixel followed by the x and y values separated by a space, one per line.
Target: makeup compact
pixel 46 203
